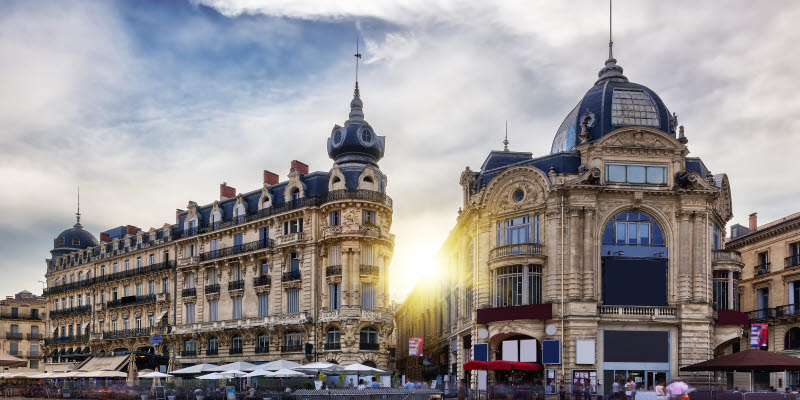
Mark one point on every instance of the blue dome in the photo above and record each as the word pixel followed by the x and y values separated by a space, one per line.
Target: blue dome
pixel 75 238
pixel 613 102
pixel 356 141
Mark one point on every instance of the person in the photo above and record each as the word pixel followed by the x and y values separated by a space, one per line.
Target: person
pixel 677 389
pixel 633 391
pixel 375 384
pixel 350 385
pixel 615 389
pixel 251 393
pixel 562 392
pixel 409 385
pixel 361 385
pixel 462 389
pixel 772 389
pixel 587 390
pixel 198 393
pixel 660 393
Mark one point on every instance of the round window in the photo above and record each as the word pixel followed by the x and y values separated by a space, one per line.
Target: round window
pixel 366 136
pixel 519 195
pixel 337 137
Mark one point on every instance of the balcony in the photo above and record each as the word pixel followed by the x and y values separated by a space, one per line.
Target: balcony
pixel 290 276
pixel 236 285
pixel 70 311
pixel 14 335
pixel 332 346
pixel 761 269
pixel 262 349
pixel 236 249
pixel 792 261
pixel 235 350
pixel 726 256
pixel 522 249
pixel 189 292
pixel 131 301
pixel 125 333
pixel 369 270
pixel 34 336
pixel 189 261
pixel 67 339
pixel 263 280
pixel 637 311
pixel 214 288
pixel 293 237
pixel 27 316
pixel 292 348
pixel 189 353
pixel 368 346
pixel 212 352
pixel 358 194
pixel 333 270
pixel 784 311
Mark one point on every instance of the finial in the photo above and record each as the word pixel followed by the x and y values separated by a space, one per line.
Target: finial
pixel 356 112
pixel 78 214
pixel 610 42
pixel 358 57
pixel 505 141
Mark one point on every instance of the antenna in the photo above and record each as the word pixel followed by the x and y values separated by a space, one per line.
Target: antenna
pixel 358 57
pixel 505 141
pixel 610 25
pixel 78 214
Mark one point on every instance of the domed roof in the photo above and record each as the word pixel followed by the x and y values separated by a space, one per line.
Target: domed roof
pixel 356 141
pixel 613 102
pixel 75 238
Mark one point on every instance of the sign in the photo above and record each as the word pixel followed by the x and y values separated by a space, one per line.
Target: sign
pixel 758 335
pixel 480 352
pixel 415 347
pixel 551 352
pixel 156 339
pixel 230 393
pixel 158 393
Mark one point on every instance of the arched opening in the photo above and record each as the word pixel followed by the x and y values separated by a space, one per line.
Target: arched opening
pixel 337 183
pixel 368 183
pixel 333 339
pixel 515 347
pixel 634 257
pixel 370 363
pixel 189 348
pixel 61 240
pixel 368 339
pixel 295 194
pixel 792 339
pixel 236 345
pixel 76 241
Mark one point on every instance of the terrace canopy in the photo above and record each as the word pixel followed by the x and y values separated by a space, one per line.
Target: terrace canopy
pixel 749 360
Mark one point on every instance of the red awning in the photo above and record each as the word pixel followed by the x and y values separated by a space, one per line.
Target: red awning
pixel 476 365
pixel 514 365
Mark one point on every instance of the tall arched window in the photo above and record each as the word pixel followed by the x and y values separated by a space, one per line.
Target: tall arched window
pixel 262 343
pixel 333 339
pixel 213 346
pixel 189 348
pixel 368 339
pixel 292 341
pixel 635 257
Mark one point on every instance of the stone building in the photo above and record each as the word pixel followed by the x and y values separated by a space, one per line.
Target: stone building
pixel 22 322
pixel 770 287
pixel 598 260
pixel 293 270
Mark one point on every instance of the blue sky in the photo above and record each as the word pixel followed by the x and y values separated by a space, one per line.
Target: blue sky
pixel 149 104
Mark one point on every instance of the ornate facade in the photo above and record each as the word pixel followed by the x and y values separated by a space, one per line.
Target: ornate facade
pixel 22 323
pixel 295 270
pixel 597 260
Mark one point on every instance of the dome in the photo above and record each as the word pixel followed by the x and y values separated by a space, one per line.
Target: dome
pixel 613 102
pixel 75 238
pixel 356 141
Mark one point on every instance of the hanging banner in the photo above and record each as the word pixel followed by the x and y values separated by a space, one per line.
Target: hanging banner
pixel 758 335
pixel 415 347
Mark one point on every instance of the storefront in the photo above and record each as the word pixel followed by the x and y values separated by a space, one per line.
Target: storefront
pixel 643 356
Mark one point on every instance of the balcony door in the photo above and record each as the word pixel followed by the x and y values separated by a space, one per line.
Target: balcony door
pixel 762 297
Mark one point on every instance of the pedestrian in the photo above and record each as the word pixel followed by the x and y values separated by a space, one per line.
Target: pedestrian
pixel 660 393
pixel 615 389
pixel 562 392
pixel 409 385
pixel 628 389
pixel 633 391
pixel 361 385
pixel 462 389
pixel 375 384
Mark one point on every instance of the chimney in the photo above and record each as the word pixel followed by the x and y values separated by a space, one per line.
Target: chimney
pixel 753 221
pixel 270 178
pixel 300 167
pixel 104 237
pixel 178 212
pixel 226 192
pixel 131 230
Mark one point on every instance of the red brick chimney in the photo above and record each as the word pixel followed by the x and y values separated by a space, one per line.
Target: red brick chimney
pixel 270 178
pixel 226 192
pixel 300 167
pixel 131 230
pixel 105 238
pixel 753 221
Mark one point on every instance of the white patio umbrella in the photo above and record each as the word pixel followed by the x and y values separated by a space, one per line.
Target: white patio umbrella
pixel 319 366
pixel 278 364
pixel 361 368
pixel 212 376
pixel 235 366
pixel 155 374
pixel 287 373
pixel 233 373
pixel 259 372
pixel 194 369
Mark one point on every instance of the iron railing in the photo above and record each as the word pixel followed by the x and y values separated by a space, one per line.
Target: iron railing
pixel 213 288
pixel 236 285
pixel 188 353
pixel 67 339
pixel 237 249
pixel 263 280
pixel 333 270
pixel 131 300
pixel 212 352
pixel 522 249
pixel 13 335
pixel 35 336
pixel 332 346
pixel 262 349
pixel 235 350
pixel 136 272
pixel 189 292
pixel 792 261
pixel 762 269
pixel 126 333
pixel 290 276
pixel 26 316
pixel 368 346
pixel 69 311
pixel 370 270
pixel 357 194
pixel 291 348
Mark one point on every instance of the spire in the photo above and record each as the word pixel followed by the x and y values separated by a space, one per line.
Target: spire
pixel 610 41
pixel 505 141
pixel 611 71
pixel 356 111
pixel 78 214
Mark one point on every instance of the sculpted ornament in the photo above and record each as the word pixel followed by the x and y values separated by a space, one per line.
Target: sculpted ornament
pixel 638 138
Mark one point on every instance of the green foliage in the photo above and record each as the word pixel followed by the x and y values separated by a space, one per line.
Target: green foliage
pixel 343 379
pixel 307 385
pixel 322 377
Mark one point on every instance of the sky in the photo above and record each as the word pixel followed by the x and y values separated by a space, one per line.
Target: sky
pixel 150 104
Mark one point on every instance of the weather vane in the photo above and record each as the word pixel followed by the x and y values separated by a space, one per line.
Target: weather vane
pixel 505 141
pixel 358 57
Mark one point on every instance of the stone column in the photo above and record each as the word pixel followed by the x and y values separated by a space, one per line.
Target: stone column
pixel 574 252
pixel 526 288
pixel 346 292
pixel 684 259
pixel 356 278
pixel 381 288
pixel 588 254
pixel 698 261
pixel 323 278
pixel 731 290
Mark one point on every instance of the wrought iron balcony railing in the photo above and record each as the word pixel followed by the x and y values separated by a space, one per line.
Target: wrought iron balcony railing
pixel 368 346
pixel 213 288
pixel 13 335
pixel 35 336
pixel 263 280
pixel 212 352
pixel 236 285
pixel 792 261
pixel 67 339
pixel 291 348
pixel 237 249
pixel 21 316
pixel 290 276
pixel 369 270
pixel 189 292
pixel 131 300
pixel 70 311
pixel 333 270
pixel 235 350
pixel 762 269
pixel 126 333
pixel 262 349
pixel 332 345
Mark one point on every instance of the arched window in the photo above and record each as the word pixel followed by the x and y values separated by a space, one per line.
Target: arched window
pixel 633 229
pixel 292 341
pixel 366 136
pixel 333 339
pixel 370 363
pixel 61 240
pixel 213 346
pixel 236 345
pixel 295 194
pixel 240 210
pixel 337 183
pixel 792 339
pixel 368 339
pixel 189 348
pixel 76 241
pixel 262 343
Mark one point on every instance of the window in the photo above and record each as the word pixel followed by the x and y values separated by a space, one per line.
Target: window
pixel 366 136
pixel 295 194
pixel 292 301
pixel 190 346
pixel 262 343
pixel 113 294
pixel 537 235
pixel 534 284
pixel 636 173
pixel 213 346
pixel 794 255
pixel 763 260
pixel 151 288
pixel 368 296
pixel 720 290
pixel 212 310
pixel 519 195
pixel 139 263
pixel 368 256
pixel 292 341
pixel 263 305
pixel 127 265
pixel 238 240
pixel 368 339
pixel 113 325
pixel 334 296
pixel 368 217
pixel 138 289
pixel 152 259
pixel 237 307
pixel 518 230
pixel 165 285
pixel 138 322
pixel 294 262
pixel 151 322
pixel 189 313
pixel 14 348
pixel 114 268
pixel 102 296
pixel 264 267
pixel 79 302
pixel 102 270
pixel 508 286
pixel 212 276
pixel 633 229
pixel 334 256
pixel 76 241
pixel 125 293
pixel 336 218
pixel 124 325
pixel 61 240
pixel 34 364
pixel 468 302
pixel 236 345
pixel 333 339
pixel 717 239
pixel 189 280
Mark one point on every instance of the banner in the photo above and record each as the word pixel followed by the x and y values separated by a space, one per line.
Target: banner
pixel 415 347
pixel 758 335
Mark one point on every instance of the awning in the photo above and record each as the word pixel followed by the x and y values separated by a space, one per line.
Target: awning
pixel 85 324
pixel 54 329
pixel 53 353
pixel 161 315
pixel 748 360
pixel 114 363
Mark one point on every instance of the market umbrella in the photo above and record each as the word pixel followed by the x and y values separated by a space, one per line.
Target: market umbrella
pixel 319 366
pixel 233 373
pixel 259 372
pixel 476 365
pixel 155 375
pixel 748 360
pixel 287 373
pixel 212 376
pixel 7 360
pixel 235 366
pixel 278 364
pixel 361 368
pixel 194 369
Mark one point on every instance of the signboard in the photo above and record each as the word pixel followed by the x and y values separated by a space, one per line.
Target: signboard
pixel 158 393
pixel 230 392
pixel 415 347
pixel 758 335
pixel 551 352
pixel 156 339
pixel 480 352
